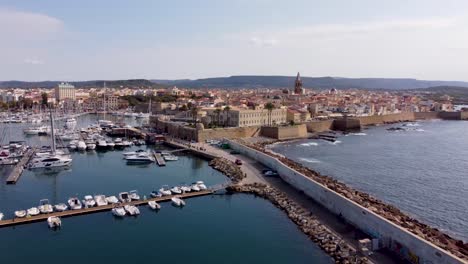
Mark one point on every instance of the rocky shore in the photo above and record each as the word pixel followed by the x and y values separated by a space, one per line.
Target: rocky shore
pixel 228 168
pixel 390 212
pixel 339 250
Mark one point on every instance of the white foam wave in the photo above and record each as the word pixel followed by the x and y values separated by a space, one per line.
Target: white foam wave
pixel 309 144
pixel 412 124
pixel 336 142
pixel 310 160
pixel 359 134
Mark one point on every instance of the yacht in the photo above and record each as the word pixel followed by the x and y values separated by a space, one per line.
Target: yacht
pixel 170 157
pixel 140 158
pixel 131 209
pixel 101 144
pixel 154 205
pixel 54 222
pixel 61 207
pixel 112 199
pixel 176 190
pixel 201 185
pixel 155 194
pixel 177 201
pixel 50 161
pixel 119 211
pixel 186 189
pixel 134 195
pixel 74 203
pixel 90 145
pixel 35 130
pixel 118 143
pixel 89 201
pixel 81 145
pixel 70 123
pixel 105 123
pixel 126 143
pixel 33 211
pixel 45 207
pixel 1 216
pixel 110 144
pixel 195 188
pixel 133 153
pixel 100 200
pixel 72 145
pixel 124 197
pixel 20 213
pixel 164 191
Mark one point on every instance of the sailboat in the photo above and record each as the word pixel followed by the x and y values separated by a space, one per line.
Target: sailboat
pixel 53 159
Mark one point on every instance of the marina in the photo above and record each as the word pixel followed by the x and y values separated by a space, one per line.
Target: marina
pixel 17 171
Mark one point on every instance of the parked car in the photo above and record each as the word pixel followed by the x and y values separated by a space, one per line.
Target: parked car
pixel 271 173
pixel 238 162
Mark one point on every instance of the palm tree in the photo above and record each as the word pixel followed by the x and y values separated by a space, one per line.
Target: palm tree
pixel 217 113
pixel 226 110
pixel 269 106
pixel 194 112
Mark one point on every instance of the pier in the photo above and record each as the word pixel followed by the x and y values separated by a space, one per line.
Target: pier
pixel 69 213
pixel 159 159
pixel 19 167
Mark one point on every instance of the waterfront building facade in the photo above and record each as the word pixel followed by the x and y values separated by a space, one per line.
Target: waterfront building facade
pixel 64 91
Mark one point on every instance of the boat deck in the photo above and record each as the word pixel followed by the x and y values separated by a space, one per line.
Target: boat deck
pixel 17 171
pixel 69 213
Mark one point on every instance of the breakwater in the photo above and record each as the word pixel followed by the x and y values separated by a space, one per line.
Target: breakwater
pixel 339 250
pixel 228 168
pixel 408 237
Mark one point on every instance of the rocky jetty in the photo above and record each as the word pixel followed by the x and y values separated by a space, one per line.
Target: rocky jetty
pixel 390 212
pixel 339 250
pixel 229 168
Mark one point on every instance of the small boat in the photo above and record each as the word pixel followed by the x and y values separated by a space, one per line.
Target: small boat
pixel 74 203
pixel 61 207
pixel 100 200
pixel 112 199
pixel 119 211
pixel 45 207
pixel 110 144
pixel 186 189
pixel 33 211
pixel 20 213
pixel 1 216
pixel 170 158
pixel 90 145
pixel 164 192
pixel 81 145
pixel 201 185
pixel 134 195
pixel 154 205
pixel 72 146
pixel 124 197
pixel 101 144
pixel 156 194
pixel 118 143
pixel 131 209
pixel 176 190
pixel 195 188
pixel 177 201
pixel 54 222
pixel 140 158
pixel 89 201
pixel 133 153
pixel 126 143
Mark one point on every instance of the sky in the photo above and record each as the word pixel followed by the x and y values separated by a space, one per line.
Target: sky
pixel 152 39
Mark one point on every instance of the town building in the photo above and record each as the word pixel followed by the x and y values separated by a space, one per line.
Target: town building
pixel 64 91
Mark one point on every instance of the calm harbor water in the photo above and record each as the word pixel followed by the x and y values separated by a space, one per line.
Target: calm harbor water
pixel 422 170
pixel 210 229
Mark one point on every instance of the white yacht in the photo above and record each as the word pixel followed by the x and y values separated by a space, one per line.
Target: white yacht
pixel 35 130
pixel 110 144
pixel 131 209
pixel 133 153
pixel 101 144
pixel 20 213
pixel 54 222
pixel 201 185
pixel 186 189
pixel 164 191
pixel 134 195
pixel 45 207
pixel 124 197
pixel 176 190
pixel 170 157
pixel 100 200
pixel 89 201
pixel 61 207
pixel 33 211
pixel 155 194
pixel 195 188
pixel 140 158
pixel 118 143
pixel 126 143
pixel 177 201
pixel 154 205
pixel 74 203
pixel 90 145
pixel 81 145
pixel 50 161
pixel 112 199
pixel 119 211
pixel 1 216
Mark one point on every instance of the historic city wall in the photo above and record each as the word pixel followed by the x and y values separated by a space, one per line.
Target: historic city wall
pixel 287 132
pixel 228 133
pixel 381 119
pixel 391 236
pixel 319 126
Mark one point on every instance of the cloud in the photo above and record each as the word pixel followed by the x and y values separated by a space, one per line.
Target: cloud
pixel 263 42
pixel 33 61
pixel 20 25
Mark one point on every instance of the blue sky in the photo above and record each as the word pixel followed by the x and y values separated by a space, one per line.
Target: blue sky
pixel 84 40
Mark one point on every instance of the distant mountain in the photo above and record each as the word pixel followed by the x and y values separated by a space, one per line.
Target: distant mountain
pixel 459 94
pixel 83 84
pixel 311 82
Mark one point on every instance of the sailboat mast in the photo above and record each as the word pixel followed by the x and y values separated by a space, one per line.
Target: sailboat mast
pixel 53 131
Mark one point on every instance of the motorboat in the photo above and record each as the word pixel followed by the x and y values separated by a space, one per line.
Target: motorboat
pixel 164 191
pixel 1 216
pixel 177 201
pixel 33 211
pixel 201 185
pixel 50 161
pixel 54 222
pixel 46 152
pixel 81 145
pixel 61 207
pixel 186 189
pixel 126 143
pixel 119 211
pixel 112 199
pixel 74 203
pixel 133 153
pixel 118 143
pixel 124 197
pixel 195 188
pixel 90 145
pixel 131 209
pixel 154 205
pixel 101 144
pixel 35 130
pixel 20 213
pixel 89 201
pixel 134 195
pixel 176 190
pixel 72 146
pixel 105 123
pixel 140 158
pixel 100 200
pixel 45 207
pixel 110 144
pixel 170 158
pixel 155 194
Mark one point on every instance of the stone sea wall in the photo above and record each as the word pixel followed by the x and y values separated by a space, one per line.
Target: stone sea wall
pixel 409 238
pixel 319 126
pixel 229 133
pixel 286 132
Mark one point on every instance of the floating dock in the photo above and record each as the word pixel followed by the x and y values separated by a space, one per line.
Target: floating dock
pixel 69 213
pixel 159 159
pixel 19 167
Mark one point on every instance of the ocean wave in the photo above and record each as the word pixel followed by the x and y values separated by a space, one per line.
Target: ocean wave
pixel 310 160
pixel 412 124
pixel 335 143
pixel 359 134
pixel 309 144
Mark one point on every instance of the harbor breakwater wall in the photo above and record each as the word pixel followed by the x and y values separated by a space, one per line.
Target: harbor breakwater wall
pixel 406 244
pixel 284 132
